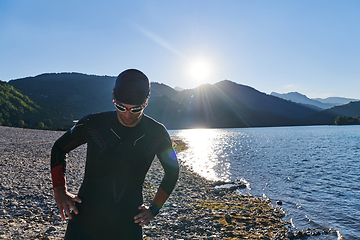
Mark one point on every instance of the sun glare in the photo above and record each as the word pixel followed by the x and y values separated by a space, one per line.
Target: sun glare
pixel 199 70
pixel 204 155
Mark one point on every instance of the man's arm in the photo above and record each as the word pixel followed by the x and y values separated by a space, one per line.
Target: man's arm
pixel 170 164
pixel 69 141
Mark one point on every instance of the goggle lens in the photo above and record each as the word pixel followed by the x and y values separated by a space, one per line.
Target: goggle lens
pixel 122 108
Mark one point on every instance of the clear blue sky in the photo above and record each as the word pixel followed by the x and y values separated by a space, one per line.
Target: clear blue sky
pixel 309 46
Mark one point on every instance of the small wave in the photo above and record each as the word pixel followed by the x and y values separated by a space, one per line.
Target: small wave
pixel 247 184
pixel 339 236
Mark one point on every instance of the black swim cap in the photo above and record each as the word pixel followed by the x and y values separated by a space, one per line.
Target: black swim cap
pixel 131 87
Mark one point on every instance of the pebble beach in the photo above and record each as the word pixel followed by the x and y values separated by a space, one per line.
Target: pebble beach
pixel 195 210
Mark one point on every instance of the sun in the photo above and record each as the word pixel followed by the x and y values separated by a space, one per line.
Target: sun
pixel 199 70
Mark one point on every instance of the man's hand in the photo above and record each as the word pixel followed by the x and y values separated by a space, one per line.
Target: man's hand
pixel 65 201
pixel 145 216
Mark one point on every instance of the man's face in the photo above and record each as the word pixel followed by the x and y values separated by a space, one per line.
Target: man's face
pixel 128 118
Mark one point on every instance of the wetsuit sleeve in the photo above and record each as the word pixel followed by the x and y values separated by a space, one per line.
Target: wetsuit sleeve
pixel 67 142
pixel 170 164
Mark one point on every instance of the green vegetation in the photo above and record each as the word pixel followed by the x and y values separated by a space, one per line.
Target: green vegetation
pixel 67 96
pixel 71 96
pixel 328 116
pixel 53 101
pixel 18 110
pixel 240 216
pixel 179 145
pixel 344 120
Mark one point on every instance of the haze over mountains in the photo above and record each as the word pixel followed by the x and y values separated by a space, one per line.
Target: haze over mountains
pixel 317 102
pixel 226 104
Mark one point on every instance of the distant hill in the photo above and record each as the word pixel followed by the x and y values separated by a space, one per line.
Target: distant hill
pixel 69 96
pixel 336 101
pixel 19 110
pixel 225 104
pixel 351 109
pixel 179 88
pixel 303 99
pixel 316 103
pixel 327 116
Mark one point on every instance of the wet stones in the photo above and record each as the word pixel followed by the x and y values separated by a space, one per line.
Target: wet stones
pixel 202 211
pixel 228 218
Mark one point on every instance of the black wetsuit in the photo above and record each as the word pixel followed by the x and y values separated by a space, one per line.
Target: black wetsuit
pixel 117 161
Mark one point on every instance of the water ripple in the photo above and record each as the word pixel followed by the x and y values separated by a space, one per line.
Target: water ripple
pixel 314 171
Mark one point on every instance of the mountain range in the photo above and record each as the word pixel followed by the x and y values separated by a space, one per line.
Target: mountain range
pixel 65 97
pixel 317 103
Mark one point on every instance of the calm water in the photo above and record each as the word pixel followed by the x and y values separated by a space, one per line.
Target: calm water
pixel 314 171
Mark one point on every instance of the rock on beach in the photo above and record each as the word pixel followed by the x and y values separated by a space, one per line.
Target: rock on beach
pixel 195 209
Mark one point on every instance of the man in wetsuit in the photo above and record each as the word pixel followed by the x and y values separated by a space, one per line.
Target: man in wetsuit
pixel 121 146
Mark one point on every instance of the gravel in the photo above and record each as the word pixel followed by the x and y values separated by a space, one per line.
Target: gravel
pixel 195 209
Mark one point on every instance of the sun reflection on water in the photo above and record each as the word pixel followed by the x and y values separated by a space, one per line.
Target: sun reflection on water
pixel 205 154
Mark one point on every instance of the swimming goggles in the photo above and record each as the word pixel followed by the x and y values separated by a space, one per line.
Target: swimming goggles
pixel 124 109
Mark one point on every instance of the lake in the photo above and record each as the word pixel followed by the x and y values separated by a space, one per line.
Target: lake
pixel 313 170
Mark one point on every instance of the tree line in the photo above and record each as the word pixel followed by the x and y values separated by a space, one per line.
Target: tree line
pixel 344 120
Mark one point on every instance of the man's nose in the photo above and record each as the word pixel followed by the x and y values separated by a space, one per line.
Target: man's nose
pixel 128 114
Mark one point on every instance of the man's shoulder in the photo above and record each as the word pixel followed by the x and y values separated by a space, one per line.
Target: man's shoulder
pixel 153 125
pixel 95 118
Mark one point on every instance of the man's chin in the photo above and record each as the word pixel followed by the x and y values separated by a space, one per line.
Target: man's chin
pixel 129 122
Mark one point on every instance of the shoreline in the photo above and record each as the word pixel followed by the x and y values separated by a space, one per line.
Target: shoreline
pixel 195 209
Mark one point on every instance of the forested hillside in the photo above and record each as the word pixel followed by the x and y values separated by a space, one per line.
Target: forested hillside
pixel 64 97
pixel 68 96
pixel 19 110
pixel 351 109
pixel 224 104
pixel 328 116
